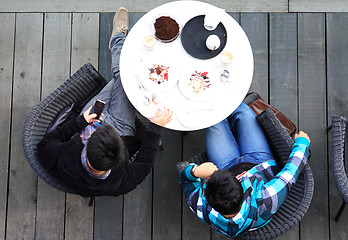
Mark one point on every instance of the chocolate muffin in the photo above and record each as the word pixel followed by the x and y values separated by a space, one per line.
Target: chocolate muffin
pixel 166 29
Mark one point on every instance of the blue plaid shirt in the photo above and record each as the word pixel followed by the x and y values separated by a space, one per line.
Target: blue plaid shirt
pixel 264 189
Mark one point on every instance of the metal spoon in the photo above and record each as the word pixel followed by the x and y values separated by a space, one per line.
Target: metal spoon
pixel 225 76
pixel 147 95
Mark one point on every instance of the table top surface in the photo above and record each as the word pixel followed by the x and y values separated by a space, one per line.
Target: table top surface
pixel 191 111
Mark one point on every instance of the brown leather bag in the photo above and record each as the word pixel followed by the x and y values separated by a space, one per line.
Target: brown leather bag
pixel 257 104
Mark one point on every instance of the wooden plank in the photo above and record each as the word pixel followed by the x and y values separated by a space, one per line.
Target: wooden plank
pixel 26 93
pixel 105 26
pixel 312 118
pixel 79 216
pixel 318 6
pixel 6 76
pixel 108 219
pixel 283 64
pixel 134 6
pixel 56 69
pixel 85 40
pixel 337 85
pixel 192 227
pixel 283 73
pixel 166 190
pixel 215 235
pixel 137 216
pixel 255 26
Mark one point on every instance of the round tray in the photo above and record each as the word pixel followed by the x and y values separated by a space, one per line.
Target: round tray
pixel 194 35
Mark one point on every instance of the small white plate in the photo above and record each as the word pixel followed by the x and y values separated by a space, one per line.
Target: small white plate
pixel 199 83
pixel 158 74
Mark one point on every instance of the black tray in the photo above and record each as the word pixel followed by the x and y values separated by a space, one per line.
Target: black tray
pixel 194 35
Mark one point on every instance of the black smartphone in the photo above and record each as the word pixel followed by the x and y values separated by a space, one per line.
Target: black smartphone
pixel 98 108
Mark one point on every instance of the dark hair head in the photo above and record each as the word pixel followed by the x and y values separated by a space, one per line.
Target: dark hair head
pixel 105 149
pixel 224 192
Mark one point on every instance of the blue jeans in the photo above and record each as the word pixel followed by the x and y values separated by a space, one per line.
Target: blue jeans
pixel 238 138
pixel 118 112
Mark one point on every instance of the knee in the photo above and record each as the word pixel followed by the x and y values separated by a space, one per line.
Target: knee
pixel 243 112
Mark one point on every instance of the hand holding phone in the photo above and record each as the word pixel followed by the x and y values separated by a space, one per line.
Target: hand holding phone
pixel 98 108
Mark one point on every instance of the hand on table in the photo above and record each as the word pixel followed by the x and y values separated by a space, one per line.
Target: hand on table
pixel 91 117
pixel 205 170
pixel 161 118
pixel 302 134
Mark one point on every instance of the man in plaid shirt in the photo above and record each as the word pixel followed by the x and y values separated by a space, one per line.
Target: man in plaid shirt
pixel 241 194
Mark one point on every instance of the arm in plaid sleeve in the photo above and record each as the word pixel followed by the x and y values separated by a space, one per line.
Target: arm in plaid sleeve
pixel 188 182
pixel 275 191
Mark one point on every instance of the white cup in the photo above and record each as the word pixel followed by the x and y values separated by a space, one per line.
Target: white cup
pixel 226 58
pixel 149 41
pixel 213 42
pixel 211 20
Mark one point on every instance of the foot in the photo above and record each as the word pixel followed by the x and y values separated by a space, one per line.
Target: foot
pixel 120 22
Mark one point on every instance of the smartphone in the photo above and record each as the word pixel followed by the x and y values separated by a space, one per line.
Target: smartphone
pixel 98 108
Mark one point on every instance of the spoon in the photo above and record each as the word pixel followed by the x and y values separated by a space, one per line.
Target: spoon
pixel 147 95
pixel 225 76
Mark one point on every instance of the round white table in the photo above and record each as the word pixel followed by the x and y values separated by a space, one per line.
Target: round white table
pixel 188 114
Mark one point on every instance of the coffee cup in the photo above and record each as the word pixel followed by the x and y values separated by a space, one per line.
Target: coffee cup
pixel 213 42
pixel 226 58
pixel 149 41
pixel 211 21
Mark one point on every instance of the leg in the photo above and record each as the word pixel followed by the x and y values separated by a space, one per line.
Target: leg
pixel 221 146
pixel 251 139
pixel 119 112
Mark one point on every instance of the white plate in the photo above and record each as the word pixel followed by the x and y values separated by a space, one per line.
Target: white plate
pixel 199 83
pixel 158 81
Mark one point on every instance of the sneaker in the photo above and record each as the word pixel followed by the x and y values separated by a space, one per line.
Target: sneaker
pixel 120 22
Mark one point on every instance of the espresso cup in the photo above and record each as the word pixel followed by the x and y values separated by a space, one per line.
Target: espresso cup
pixel 149 41
pixel 226 58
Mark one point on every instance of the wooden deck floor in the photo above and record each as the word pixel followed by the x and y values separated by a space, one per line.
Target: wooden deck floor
pixel 300 67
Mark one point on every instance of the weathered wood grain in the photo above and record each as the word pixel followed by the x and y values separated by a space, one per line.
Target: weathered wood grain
pixel 138 207
pixel 192 227
pixel 6 85
pixel 137 217
pixel 105 29
pixel 166 190
pixel 283 64
pixel 134 6
pixel 255 26
pixel 55 70
pixel 26 93
pixel 283 74
pixel 318 6
pixel 108 218
pixel 312 118
pixel 85 39
pixel 337 104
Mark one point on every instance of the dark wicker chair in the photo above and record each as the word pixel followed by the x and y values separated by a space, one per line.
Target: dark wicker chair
pixel 339 139
pixel 297 203
pixel 78 89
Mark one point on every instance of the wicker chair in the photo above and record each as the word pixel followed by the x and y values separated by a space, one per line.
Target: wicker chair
pixel 78 89
pixel 339 139
pixel 297 203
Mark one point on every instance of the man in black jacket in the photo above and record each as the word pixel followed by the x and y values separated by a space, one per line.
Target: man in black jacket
pixel 92 155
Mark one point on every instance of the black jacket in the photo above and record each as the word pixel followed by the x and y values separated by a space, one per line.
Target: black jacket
pixel 60 150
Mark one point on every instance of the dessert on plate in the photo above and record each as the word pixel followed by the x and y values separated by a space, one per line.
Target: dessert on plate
pixel 166 29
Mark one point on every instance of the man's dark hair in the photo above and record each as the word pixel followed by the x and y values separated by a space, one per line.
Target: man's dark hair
pixel 105 149
pixel 224 192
